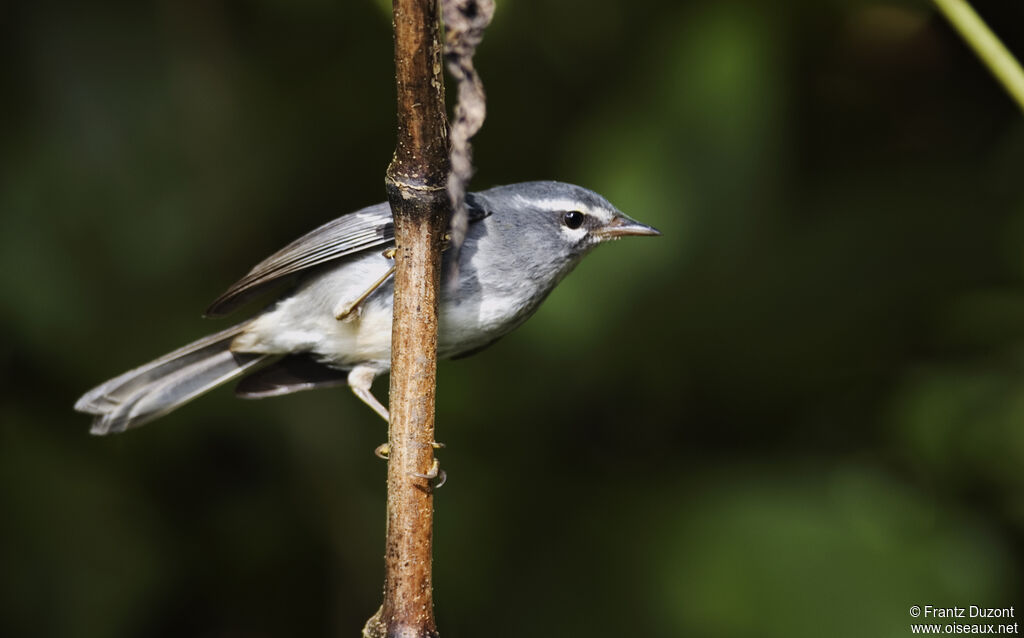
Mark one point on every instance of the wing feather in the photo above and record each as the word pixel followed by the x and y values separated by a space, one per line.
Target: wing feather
pixel 366 228
pixel 348 234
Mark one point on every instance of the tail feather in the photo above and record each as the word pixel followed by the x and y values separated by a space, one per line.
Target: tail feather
pixel 154 389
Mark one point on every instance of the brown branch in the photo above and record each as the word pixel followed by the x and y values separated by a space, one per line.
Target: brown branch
pixel 416 182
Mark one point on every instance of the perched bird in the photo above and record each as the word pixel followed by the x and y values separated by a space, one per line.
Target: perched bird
pixel 333 327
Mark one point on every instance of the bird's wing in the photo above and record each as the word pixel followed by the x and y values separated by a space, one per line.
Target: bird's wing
pixel 345 235
pixel 348 234
pixel 293 373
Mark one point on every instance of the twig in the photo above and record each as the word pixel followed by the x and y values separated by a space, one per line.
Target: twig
pixel 416 181
pixel 993 54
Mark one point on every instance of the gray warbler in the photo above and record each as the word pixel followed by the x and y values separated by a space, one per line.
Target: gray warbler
pixel 333 327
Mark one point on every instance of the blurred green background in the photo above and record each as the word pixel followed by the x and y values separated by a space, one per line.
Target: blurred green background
pixel 797 413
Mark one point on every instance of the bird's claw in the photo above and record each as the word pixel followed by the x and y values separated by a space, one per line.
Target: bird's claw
pixel 384 449
pixel 432 473
pixel 435 472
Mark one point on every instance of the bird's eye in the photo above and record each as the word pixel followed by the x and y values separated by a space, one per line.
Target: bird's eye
pixel 573 219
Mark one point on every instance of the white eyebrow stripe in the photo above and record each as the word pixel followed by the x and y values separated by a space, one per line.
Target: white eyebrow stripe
pixel 559 204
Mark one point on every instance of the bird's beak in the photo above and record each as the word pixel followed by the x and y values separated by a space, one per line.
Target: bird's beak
pixel 623 226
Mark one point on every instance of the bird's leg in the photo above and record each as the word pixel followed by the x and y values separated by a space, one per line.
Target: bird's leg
pixel 343 310
pixel 360 379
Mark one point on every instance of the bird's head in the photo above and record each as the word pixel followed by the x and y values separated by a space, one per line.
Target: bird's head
pixel 562 218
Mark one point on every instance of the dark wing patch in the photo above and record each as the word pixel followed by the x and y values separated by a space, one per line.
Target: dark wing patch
pixel 343 236
pixel 293 373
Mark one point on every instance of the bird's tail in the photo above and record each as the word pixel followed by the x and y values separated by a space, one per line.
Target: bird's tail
pixel 150 391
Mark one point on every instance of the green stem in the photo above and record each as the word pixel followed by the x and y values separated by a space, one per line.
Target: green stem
pixel 988 47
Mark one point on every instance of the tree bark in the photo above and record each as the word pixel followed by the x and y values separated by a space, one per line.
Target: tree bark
pixel 416 185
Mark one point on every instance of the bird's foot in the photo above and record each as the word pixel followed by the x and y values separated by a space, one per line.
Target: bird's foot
pixel 383 450
pixel 435 472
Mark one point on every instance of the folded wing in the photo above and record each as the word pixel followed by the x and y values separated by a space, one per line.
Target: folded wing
pixel 343 236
